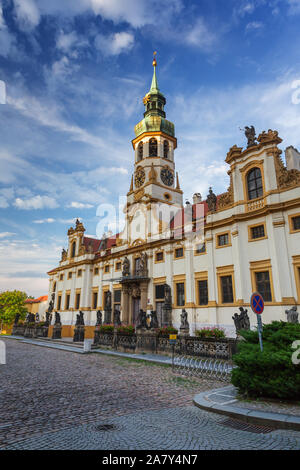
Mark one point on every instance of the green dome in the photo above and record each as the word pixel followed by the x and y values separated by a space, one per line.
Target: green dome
pixel 155 124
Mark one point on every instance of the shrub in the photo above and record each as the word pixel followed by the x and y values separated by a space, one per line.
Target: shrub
pixel 167 330
pixel 106 329
pixel 210 333
pixel 126 330
pixel 270 373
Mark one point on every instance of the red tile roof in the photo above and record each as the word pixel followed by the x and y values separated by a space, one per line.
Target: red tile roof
pixel 43 298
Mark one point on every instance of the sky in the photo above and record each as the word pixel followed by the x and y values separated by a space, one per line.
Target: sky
pixel 75 73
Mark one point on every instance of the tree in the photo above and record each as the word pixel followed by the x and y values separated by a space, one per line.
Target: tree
pixel 11 303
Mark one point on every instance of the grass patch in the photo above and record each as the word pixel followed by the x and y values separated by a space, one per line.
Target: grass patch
pixel 183 381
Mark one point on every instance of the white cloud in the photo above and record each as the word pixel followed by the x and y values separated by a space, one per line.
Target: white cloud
pixel 254 26
pixel 44 221
pixel 294 7
pixel 7 39
pixel 6 234
pixel 27 13
pixel 200 36
pixel 80 205
pixel 114 44
pixel 36 202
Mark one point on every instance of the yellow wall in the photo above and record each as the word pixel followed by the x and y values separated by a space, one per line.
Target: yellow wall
pixel 68 331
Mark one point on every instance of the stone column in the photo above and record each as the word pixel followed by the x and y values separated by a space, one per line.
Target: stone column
pixel 144 295
pixel 125 305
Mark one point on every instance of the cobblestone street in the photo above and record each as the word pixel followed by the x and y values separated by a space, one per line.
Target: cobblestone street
pixel 53 399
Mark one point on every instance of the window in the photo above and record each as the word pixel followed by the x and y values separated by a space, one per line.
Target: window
pixel 159 256
pixel 160 291
pixel 70 275
pixel 106 268
pixel 200 248
pixel 257 232
pixel 254 184
pixel 117 295
pixel 140 151
pixel 226 289
pixel 223 239
pixel 54 287
pixel 67 303
pixel 152 148
pixel 118 266
pixel 296 223
pixel 59 302
pixel 73 249
pixel 180 301
pixel 137 265
pixel 96 271
pixel 203 292
pixel 61 277
pixel 95 299
pixel 79 274
pixel 77 301
pixel 179 253
pixel 166 149
pixel 263 285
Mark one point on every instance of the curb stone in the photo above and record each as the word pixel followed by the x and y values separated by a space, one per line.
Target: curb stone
pixel 276 420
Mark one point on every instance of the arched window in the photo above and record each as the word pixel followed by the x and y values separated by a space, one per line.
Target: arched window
pixel 152 148
pixel 254 183
pixel 166 149
pixel 140 151
pixel 73 249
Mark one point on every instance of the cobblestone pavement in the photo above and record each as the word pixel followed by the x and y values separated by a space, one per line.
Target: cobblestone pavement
pixel 53 399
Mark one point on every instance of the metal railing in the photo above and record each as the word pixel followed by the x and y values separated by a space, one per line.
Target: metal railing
pixel 209 368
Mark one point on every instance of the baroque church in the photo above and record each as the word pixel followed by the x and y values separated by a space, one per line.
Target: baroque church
pixel 207 257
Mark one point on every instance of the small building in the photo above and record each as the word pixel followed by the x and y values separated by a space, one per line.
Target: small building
pixel 38 305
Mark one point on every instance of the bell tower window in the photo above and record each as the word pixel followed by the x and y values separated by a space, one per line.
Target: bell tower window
pixel 166 149
pixel 73 249
pixel 152 147
pixel 254 183
pixel 140 151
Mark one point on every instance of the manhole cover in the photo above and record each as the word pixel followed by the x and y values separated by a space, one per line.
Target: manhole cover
pixel 106 427
pixel 242 426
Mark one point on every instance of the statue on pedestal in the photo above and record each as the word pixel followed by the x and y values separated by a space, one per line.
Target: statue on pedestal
pixel 142 320
pixel 251 137
pixel 126 267
pixel 292 315
pixel 211 201
pixel 241 320
pixel 154 320
pixel 184 321
pixel 99 318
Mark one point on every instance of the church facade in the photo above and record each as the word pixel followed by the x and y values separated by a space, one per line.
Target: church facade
pixel 207 257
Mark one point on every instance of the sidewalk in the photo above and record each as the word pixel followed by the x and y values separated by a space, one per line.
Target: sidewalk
pixel 224 401
pixel 78 348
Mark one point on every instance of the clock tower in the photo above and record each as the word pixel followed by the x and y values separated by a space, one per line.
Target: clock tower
pixel 154 179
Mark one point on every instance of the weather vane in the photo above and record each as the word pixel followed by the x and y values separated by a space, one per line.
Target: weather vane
pixel 154 63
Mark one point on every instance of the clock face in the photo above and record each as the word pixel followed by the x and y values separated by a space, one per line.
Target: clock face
pixel 139 178
pixel 167 176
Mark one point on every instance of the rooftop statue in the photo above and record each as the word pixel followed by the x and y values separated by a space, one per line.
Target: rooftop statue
pixel 251 137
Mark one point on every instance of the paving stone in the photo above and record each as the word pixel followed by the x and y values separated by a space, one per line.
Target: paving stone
pixel 56 400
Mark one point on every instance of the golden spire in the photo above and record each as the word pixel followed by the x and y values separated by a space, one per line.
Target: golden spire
pixel 154 63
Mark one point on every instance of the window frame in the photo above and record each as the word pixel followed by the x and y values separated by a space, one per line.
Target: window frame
pixel 220 234
pixel 223 271
pixel 262 266
pixel 250 235
pixel 291 225
pixel 179 248
pixel 252 170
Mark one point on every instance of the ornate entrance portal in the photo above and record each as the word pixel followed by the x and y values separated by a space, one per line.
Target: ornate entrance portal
pixel 134 298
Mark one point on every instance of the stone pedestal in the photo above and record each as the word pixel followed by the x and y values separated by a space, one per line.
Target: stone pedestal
pixel 146 340
pixel 18 330
pixel 56 333
pixel 107 316
pixel 96 334
pixel 78 334
pixel 167 315
pixel 184 332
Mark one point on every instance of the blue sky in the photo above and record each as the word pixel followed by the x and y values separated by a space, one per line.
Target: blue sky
pixel 75 74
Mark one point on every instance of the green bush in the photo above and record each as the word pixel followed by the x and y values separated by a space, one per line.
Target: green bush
pixel 167 330
pixel 270 373
pixel 126 330
pixel 107 329
pixel 210 333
